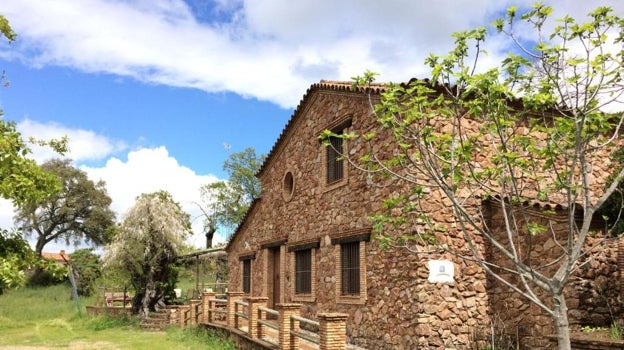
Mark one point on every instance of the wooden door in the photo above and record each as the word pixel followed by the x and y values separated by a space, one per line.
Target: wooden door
pixel 273 277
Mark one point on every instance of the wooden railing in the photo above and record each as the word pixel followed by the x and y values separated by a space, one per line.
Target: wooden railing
pixel 251 316
pixel 215 309
pixel 312 337
pixel 241 311
pixel 263 322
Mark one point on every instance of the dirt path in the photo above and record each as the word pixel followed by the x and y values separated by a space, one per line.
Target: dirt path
pixel 75 345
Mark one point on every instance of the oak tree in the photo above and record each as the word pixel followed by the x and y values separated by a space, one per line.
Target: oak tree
pixel 79 213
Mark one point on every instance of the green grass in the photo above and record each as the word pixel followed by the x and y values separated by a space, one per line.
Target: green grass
pixel 46 317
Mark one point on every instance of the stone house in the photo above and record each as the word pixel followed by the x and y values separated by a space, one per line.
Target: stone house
pixel 308 240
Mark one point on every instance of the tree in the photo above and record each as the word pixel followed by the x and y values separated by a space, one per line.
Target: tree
pixel 85 265
pixel 537 127
pixel 6 29
pixel 148 243
pixel 21 179
pixel 226 202
pixel 80 212
pixel 15 257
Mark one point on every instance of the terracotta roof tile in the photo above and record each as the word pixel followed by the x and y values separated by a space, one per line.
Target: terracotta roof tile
pixel 60 257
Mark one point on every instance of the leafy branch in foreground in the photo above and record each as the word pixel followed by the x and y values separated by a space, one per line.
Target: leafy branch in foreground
pixel 541 126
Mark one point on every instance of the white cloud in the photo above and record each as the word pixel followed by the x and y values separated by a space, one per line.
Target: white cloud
pixel 145 170
pixel 267 49
pixel 6 214
pixel 84 145
pixel 148 170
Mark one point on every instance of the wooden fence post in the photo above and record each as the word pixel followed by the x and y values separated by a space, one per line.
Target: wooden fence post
pixel 286 340
pixel 232 298
pixel 332 331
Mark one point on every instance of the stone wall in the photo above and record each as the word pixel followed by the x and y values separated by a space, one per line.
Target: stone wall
pixel 595 298
pixel 108 311
pixel 593 294
pixel 399 308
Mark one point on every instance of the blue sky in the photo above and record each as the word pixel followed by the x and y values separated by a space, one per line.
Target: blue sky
pixel 156 94
pixel 196 127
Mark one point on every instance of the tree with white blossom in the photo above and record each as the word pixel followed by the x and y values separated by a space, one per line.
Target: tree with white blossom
pixel 149 241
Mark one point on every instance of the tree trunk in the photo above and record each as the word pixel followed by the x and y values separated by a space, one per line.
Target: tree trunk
pixel 210 234
pixel 41 242
pixel 562 325
pixel 148 298
pixel 137 302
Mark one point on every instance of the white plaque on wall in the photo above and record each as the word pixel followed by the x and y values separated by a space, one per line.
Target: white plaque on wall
pixel 441 271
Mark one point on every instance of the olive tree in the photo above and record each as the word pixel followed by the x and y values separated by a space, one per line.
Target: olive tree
pixel 537 127
pixel 148 243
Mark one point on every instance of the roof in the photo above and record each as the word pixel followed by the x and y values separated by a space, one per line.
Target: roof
pixel 338 86
pixel 325 85
pixel 215 251
pixel 350 87
pixel 240 225
pixel 60 257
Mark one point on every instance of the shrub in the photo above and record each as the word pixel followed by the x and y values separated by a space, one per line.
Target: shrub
pixel 86 269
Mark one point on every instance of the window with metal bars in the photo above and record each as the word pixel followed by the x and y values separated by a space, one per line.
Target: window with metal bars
pixel 335 162
pixel 350 268
pixel 303 271
pixel 246 276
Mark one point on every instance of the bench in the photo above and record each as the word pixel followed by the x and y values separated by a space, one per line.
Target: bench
pixel 110 298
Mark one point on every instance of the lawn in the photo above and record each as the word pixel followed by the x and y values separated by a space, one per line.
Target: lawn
pixel 46 318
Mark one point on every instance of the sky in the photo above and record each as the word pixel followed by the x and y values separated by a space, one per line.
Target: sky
pixel 157 94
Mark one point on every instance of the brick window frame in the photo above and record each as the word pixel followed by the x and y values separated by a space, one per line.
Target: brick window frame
pixel 335 171
pixel 334 162
pixel 294 250
pixel 355 239
pixel 246 272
